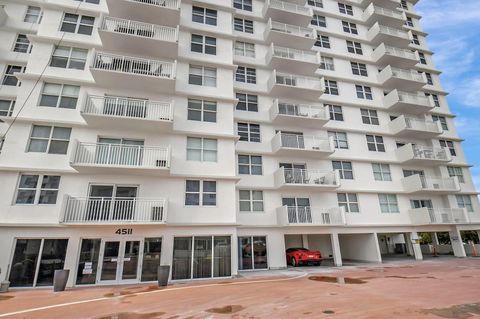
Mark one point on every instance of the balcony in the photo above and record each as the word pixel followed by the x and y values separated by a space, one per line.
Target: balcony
pixel 427 185
pixel 389 4
pixel 125 72
pixel 390 17
pixel 411 103
pixel 293 60
pixel 287 178
pixel 422 155
pixel 152 11
pixel 310 216
pixel 287 12
pixel 120 35
pixel 404 126
pixel 303 115
pixel 295 86
pixel 300 145
pixel 390 36
pixel 439 216
pixel 116 211
pixel 286 34
pixel 3 15
pixel 409 80
pixel 127 159
pixel 385 55
pixel 128 113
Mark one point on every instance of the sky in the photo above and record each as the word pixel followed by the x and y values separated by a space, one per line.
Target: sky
pixel 454 36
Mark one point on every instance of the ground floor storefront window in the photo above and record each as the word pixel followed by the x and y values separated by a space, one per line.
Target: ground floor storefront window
pixel 35 261
pixel 252 252
pixel 201 257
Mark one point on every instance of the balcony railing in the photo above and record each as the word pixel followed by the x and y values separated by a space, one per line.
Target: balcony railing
pixel 297 81
pixel 383 11
pixel 313 143
pixel 291 29
pixel 121 155
pixel 170 4
pixel 407 75
pixel 306 177
pixel 133 65
pixel 116 210
pixel 299 215
pixel 404 53
pixel 403 123
pixel 425 216
pixel 430 153
pixel 416 183
pixel 300 110
pixel 128 108
pixel 140 29
pixel 393 32
pixel 287 6
pixel 412 98
pixel 293 54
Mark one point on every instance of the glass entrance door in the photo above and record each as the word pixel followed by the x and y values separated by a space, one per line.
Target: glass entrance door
pixel 111 252
pixel 120 260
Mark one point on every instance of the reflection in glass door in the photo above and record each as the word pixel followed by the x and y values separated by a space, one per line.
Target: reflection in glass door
pixel 110 260
pixel 130 260
pixel 252 252
pixel 202 257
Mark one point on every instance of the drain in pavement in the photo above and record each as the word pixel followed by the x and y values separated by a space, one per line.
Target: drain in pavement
pixel 133 315
pixel 338 280
pixel 328 312
pixel 226 309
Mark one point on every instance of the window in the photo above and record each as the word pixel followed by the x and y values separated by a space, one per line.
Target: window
pixel 429 78
pixel 315 3
pixel 410 172
pixel 6 107
pixel 201 75
pixel 442 120
pixel 403 5
pixel 369 117
pixel 364 92
pixel 456 171
pixel 249 165
pixel 49 139
pixel 204 44
pixel 319 21
pixel 464 201
pixel 74 23
pixel 349 201
pixel 59 95
pixel 246 75
pixel 415 39
pixel 381 172
pixel 247 102
pixel 326 63
pixel 200 110
pixel 339 138
pixel 243 4
pixel 449 145
pixel 375 143
pixel 244 49
pixel 345 9
pixel 331 87
pixel 388 203
pixel 22 44
pixel 200 193
pixel 423 60
pixel 409 22
pixel 344 168
pixel 249 132
pixel 204 15
pixel 322 41
pixel 336 113
pixel 243 25
pixel 33 15
pixel 9 78
pixel 201 149
pixel 359 68
pixel 37 189
pixel 354 47
pixel 251 201
pixel 436 101
pixel 349 27
pixel 69 58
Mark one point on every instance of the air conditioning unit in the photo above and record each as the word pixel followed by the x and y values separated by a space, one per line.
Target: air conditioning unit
pixel 157 213
pixel 161 163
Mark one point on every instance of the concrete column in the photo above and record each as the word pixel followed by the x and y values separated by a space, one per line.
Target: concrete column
pixel 305 241
pixel 337 254
pixel 166 257
pixel 478 234
pixel 408 244
pixel 457 243
pixel 435 239
pixel 415 244
pixel 71 259
pixel 276 250
pixel 234 258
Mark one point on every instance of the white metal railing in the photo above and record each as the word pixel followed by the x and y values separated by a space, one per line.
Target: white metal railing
pixel 393 31
pixel 407 74
pixel 128 108
pixel 300 110
pixel 418 182
pixel 170 4
pixel 293 54
pixel 288 6
pixel 307 177
pixel 97 210
pixel 421 124
pixel 133 65
pixel 291 29
pixel 404 53
pixel 412 98
pixel 306 215
pixel 387 12
pixel 106 154
pixel 432 153
pixel 426 215
pixel 141 29
pixel 298 81
pixel 313 143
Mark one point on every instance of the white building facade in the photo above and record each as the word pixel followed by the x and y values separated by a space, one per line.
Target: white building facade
pixel 213 135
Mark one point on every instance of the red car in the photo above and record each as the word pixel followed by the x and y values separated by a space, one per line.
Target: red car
pixel 299 256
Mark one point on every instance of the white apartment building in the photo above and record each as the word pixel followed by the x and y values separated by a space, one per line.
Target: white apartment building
pixel 212 135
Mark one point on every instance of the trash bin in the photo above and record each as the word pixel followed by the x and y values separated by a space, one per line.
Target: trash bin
pixel 163 273
pixel 60 279
pixel 4 285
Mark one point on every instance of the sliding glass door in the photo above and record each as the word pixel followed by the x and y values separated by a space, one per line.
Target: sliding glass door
pixel 252 252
